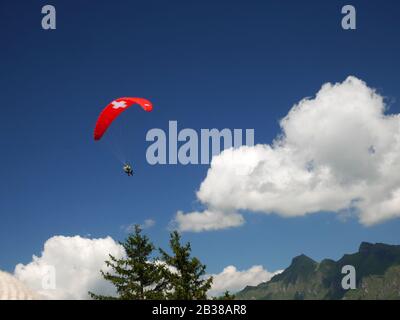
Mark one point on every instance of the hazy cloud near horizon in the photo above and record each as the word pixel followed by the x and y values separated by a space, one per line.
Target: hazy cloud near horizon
pixel 13 289
pixel 235 280
pixel 338 151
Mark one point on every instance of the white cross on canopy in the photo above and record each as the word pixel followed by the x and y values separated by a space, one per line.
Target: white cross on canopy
pixel 119 104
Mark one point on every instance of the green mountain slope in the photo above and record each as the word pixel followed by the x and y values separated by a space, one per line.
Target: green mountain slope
pixel 377 287
pixel 377 274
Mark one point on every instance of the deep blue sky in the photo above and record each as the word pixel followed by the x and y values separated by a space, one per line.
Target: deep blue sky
pixel 234 64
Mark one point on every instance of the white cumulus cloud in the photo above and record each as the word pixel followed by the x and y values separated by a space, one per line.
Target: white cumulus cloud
pixel 207 220
pixel 69 267
pixel 338 151
pixel 234 280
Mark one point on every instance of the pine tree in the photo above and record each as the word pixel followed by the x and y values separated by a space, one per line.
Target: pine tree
pixel 135 276
pixel 186 274
pixel 227 296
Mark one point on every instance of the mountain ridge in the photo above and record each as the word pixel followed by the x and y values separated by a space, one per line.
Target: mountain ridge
pixel 377 267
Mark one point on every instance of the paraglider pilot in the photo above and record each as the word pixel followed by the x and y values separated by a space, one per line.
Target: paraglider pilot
pixel 128 169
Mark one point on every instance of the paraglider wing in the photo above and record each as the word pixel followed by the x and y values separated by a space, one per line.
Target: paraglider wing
pixel 114 109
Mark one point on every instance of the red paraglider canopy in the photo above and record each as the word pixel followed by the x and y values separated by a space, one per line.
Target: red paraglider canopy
pixel 114 109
